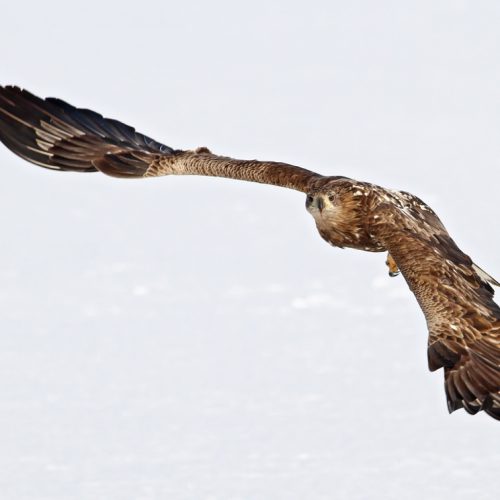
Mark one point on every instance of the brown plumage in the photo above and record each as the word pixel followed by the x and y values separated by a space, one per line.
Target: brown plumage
pixel 455 295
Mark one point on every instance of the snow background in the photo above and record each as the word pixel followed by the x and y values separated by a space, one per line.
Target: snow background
pixel 194 338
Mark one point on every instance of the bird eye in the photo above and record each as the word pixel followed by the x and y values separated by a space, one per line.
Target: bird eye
pixel 309 199
pixel 331 198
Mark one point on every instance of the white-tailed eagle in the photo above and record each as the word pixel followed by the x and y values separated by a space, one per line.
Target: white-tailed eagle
pixel 455 295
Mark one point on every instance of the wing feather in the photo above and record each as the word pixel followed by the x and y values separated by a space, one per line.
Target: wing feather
pixel 54 134
pixel 457 300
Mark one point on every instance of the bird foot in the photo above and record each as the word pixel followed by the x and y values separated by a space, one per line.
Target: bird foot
pixel 393 267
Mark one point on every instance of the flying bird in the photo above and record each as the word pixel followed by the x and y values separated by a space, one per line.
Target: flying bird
pixel 455 295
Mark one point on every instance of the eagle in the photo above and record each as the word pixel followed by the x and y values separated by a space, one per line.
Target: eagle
pixel 455 295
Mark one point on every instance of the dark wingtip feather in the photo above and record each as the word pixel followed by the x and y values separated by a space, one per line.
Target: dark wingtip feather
pixel 473 383
pixel 124 165
pixel 441 355
pixel 54 134
pixel 493 412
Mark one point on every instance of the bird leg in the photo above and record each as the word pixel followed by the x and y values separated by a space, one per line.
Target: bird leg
pixel 393 267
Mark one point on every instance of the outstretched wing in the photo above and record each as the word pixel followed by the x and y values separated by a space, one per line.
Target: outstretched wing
pixel 456 298
pixel 53 134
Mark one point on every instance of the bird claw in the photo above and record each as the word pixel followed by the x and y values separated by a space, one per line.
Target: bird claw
pixel 393 267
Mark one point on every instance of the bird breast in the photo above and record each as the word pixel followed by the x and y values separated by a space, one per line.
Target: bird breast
pixel 346 228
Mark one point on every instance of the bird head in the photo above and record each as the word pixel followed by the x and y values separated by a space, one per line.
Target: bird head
pixel 331 201
pixel 317 202
pixel 337 206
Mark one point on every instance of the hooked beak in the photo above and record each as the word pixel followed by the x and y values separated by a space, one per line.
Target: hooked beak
pixel 320 203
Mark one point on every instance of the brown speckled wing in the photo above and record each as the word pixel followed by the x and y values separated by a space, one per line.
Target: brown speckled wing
pixel 54 134
pixel 462 317
pixel 264 172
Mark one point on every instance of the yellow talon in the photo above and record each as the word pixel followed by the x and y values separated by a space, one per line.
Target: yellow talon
pixel 393 267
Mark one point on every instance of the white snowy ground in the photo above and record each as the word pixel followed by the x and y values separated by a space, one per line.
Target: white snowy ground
pixel 189 338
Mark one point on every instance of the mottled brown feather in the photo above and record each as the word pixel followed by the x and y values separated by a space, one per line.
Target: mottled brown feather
pixel 462 317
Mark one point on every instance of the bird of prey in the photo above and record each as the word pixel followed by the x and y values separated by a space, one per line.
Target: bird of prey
pixel 455 295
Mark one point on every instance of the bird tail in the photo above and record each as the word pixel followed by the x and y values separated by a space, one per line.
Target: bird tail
pixel 54 134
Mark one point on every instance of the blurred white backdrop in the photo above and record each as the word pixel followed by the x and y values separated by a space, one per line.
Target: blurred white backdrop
pixel 194 338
